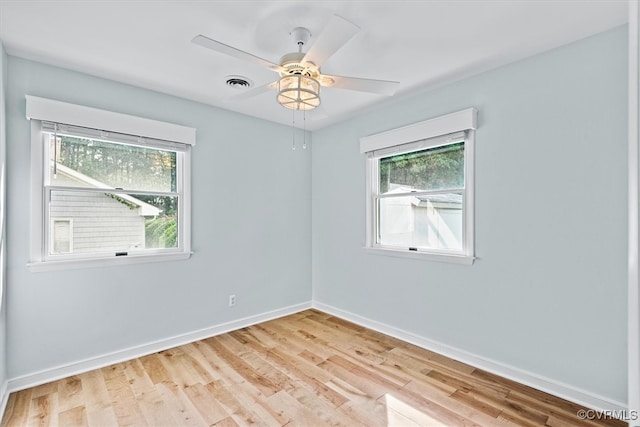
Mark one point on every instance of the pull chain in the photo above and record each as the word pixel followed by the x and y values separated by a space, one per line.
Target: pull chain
pixel 293 129
pixel 304 129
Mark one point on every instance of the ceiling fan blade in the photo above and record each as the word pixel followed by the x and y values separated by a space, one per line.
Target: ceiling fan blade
pixel 382 87
pixel 254 92
pixel 205 41
pixel 336 34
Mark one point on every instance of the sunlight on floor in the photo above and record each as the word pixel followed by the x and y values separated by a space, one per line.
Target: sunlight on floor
pixel 401 414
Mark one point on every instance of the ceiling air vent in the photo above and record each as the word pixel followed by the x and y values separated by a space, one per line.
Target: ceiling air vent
pixel 239 82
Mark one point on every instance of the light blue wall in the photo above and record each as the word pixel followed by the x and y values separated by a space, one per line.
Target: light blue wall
pixel 3 311
pixel 548 291
pixel 251 232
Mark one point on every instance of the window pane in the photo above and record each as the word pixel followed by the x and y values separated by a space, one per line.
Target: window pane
pixel 61 236
pixel 437 168
pixel 430 221
pixel 91 163
pixel 109 222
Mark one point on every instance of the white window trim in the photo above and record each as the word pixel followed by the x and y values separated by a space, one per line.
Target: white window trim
pixel 37 267
pixel 424 134
pixel 41 109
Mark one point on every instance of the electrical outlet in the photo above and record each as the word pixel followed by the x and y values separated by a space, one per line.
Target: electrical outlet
pixel 232 300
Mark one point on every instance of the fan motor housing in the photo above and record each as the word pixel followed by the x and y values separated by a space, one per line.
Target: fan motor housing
pixel 292 64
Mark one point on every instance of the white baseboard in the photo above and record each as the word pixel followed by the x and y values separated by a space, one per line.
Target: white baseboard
pixel 59 372
pixel 556 388
pixel 4 396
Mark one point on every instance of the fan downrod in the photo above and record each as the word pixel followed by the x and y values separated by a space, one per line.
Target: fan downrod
pixel 301 36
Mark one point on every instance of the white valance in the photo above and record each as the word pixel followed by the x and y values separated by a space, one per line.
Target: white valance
pixel 438 126
pixel 94 118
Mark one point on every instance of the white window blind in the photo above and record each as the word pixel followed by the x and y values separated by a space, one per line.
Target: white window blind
pixel 97 134
pixel 419 145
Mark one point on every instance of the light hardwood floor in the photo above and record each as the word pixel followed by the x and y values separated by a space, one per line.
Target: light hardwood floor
pixel 309 368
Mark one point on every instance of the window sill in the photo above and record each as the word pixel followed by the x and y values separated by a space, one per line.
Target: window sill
pixel 454 259
pixel 71 264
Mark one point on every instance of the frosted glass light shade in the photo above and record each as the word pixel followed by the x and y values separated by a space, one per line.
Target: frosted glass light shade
pixel 298 92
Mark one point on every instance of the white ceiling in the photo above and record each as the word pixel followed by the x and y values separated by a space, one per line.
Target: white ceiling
pixel 421 44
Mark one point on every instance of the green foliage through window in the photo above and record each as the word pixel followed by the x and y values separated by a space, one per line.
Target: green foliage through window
pixel 162 232
pixel 118 165
pixel 430 169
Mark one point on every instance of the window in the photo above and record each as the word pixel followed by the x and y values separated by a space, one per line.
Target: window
pixel 420 189
pixel 104 196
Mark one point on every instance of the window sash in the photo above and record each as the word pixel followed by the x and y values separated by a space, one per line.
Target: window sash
pixel 48 254
pixel 41 258
pixel 180 170
pixel 374 196
pixel 440 141
pixel 417 248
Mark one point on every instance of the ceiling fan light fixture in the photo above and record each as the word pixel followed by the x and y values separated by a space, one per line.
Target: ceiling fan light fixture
pixel 298 92
pixel 300 77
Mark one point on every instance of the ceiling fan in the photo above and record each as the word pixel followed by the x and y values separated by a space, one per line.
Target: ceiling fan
pixel 300 77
